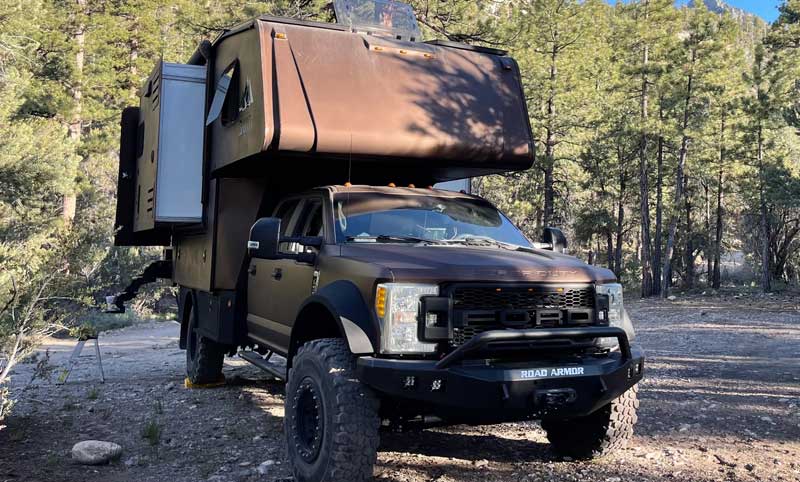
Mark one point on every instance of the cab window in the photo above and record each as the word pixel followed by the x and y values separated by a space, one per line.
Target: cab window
pixel 285 212
pixel 311 222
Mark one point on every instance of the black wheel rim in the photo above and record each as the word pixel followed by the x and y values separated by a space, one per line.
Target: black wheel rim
pixel 308 420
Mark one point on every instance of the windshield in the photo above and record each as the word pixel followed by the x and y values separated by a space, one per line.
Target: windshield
pixel 365 217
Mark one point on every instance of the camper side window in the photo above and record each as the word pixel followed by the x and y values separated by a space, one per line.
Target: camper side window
pixel 226 97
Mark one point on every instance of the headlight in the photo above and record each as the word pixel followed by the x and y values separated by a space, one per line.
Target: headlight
pixel 616 312
pixel 615 308
pixel 397 306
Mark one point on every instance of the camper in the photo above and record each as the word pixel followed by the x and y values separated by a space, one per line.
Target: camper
pixel 292 172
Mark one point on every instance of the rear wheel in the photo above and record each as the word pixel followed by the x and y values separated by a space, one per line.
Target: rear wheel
pixel 331 419
pixel 204 356
pixel 595 435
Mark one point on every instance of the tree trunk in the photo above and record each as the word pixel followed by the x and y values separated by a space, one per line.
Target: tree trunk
pixel 644 187
pixel 620 219
pixel 689 252
pixel 75 126
pixel 134 57
pixel 683 154
pixel 715 278
pixel 766 280
pixel 659 209
pixel 707 251
pixel 550 141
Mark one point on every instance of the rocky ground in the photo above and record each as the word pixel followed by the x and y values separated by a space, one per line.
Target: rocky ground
pixel 721 401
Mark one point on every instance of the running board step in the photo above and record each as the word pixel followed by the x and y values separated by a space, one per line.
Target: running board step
pixel 264 364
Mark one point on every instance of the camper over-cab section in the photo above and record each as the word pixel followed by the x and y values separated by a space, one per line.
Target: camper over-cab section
pixel 323 91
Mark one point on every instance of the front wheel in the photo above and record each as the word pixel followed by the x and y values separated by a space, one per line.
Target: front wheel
pixel 331 419
pixel 597 434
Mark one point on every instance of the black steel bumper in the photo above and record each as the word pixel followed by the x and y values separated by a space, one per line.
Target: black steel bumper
pixel 482 390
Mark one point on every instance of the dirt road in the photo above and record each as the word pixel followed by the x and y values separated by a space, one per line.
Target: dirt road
pixel 721 402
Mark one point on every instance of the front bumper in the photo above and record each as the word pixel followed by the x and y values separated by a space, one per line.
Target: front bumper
pixel 491 391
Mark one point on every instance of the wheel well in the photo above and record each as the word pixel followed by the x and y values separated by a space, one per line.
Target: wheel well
pixel 184 314
pixel 315 321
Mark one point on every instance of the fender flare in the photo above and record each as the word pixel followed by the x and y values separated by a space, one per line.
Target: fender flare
pixel 343 300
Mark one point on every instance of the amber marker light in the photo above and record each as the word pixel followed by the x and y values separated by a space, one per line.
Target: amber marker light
pixel 380 302
pixel 428 56
pixel 377 49
pixel 412 186
pixel 280 35
pixel 391 184
pixel 347 184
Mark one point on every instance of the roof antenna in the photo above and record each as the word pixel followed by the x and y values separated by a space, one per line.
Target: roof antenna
pixel 350 162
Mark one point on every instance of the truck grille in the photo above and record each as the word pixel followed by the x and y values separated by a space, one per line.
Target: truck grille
pixel 521 298
pixel 477 309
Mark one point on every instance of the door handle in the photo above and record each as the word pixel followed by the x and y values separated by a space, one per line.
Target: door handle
pixel 252 270
pixel 277 274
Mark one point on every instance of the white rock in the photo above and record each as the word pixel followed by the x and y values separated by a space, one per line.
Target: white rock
pixel 263 467
pixel 95 452
pixel 672 298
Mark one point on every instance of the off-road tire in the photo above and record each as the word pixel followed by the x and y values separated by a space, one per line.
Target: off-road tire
pixel 204 357
pixel 324 371
pixel 595 435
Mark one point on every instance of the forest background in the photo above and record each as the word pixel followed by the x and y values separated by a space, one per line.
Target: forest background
pixel 666 136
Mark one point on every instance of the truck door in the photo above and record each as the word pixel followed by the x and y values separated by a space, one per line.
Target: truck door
pixel 277 288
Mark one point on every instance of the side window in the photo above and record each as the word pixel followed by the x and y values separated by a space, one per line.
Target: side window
pixel 226 96
pixel 311 222
pixel 285 213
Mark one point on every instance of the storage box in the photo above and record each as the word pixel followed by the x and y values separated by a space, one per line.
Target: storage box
pixel 169 152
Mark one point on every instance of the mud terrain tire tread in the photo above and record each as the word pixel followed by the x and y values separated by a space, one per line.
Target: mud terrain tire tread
pixel 350 441
pixel 209 357
pixel 598 434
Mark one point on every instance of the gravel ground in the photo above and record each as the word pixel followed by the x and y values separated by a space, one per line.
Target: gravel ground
pixel 721 401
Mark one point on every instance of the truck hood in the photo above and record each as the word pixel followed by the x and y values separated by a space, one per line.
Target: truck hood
pixel 435 263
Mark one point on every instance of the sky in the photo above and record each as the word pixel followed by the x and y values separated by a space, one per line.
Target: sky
pixel 766 9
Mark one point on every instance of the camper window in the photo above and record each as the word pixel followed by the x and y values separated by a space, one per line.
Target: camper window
pixel 226 96
pixel 378 16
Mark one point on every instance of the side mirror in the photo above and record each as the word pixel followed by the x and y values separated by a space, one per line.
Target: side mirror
pixel 556 240
pixel 264 239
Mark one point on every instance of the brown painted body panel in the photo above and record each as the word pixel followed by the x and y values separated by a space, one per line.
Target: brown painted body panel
pixel 328 93
pixel 212 260
pixel 474 264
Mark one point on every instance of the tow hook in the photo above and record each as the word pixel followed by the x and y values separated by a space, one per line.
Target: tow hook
pixel 555 398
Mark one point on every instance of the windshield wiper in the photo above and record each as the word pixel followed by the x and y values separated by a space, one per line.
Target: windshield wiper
pixel 487 241
pixel 385 238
